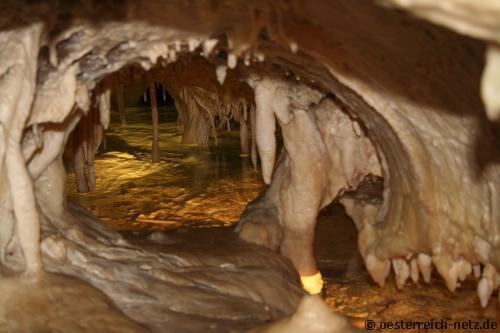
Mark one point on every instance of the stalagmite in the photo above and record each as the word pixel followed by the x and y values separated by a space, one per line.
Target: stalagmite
pixel 155 146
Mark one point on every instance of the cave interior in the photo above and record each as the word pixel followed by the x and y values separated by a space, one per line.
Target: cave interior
pixel 248 166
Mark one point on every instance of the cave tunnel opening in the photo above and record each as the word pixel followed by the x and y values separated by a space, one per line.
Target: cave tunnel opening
pixel 195 173
pixel 207 184
pixel 191 185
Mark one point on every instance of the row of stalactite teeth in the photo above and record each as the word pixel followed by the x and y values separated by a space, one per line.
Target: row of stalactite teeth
pixel 453 272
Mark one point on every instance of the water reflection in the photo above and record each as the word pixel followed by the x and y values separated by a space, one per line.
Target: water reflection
pixel 190 187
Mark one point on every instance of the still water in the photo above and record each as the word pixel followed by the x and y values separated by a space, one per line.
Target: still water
pixel 190 188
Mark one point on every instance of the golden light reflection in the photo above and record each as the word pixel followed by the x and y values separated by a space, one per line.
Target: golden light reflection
pixel 189 188
pixel 312 284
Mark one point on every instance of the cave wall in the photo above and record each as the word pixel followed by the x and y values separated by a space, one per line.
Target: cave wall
pixel 414 86
pixel 430 129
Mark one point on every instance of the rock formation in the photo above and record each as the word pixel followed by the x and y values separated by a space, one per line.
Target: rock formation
pixel 360 93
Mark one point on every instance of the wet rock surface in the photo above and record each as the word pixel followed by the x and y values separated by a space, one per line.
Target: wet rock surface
pixel 57 303
pixel 426 96
pixel 190 187
pixel 195 281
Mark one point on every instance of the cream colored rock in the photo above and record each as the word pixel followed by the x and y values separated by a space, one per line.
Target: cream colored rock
pixel 486 285
pixel 490 83
pixel 378 269
pixel 17 90
pixel 414 271
pixel 276 98
pixel 474 18
pixel 447 268
pixel 430 139
pixel 425 265
pixel 464 269
pixel 402 272
pixel 312 316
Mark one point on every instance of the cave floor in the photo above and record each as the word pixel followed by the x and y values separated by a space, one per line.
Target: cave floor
pixel 189 188
pixel 193 188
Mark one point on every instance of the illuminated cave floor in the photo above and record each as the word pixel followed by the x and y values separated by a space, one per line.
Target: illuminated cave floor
pixel 189 188
pixel 193 189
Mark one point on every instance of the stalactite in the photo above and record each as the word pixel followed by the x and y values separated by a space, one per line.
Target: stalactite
pixel 196 124
pixel 121 104
pixel 273 98
pixel 244 138
pixel 79 168
pixel 84 142
pixel 155 147
pixel 316 166
pixel 253 135
pixel 23 45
